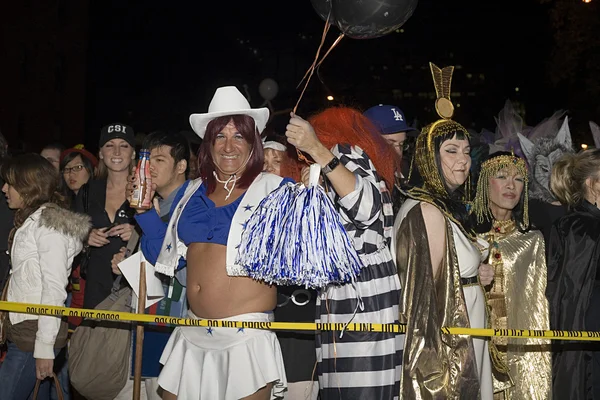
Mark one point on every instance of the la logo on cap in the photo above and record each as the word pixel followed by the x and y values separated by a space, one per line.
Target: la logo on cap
pixel 397 115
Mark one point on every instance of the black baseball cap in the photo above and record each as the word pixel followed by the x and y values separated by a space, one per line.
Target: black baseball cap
pixel 117 131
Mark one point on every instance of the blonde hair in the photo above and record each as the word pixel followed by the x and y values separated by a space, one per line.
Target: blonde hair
pixel 570 173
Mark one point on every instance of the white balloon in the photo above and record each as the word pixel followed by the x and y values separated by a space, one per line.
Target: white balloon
pixel 268 89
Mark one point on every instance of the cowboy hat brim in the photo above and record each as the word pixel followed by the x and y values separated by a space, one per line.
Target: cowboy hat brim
pixel 199 122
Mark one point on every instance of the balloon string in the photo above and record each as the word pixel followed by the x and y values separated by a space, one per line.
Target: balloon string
pixel 312 67
pixel 309 73
pixel 302 157
pixel 329 51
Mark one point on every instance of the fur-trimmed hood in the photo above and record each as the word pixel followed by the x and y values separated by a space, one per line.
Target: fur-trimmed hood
pixel 66 222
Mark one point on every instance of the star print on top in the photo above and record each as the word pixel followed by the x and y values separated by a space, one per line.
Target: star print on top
pixel 203 222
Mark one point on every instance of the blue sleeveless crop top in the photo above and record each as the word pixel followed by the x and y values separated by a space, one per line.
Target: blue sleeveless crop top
pixel 203 222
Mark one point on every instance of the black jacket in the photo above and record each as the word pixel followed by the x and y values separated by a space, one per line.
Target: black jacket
pixel 543 215
pixel 573 257
pixel 99 276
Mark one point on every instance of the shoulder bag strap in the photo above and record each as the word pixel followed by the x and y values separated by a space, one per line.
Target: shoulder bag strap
pixel 131 245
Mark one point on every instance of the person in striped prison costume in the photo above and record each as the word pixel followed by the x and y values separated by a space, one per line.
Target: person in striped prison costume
pixel 357 176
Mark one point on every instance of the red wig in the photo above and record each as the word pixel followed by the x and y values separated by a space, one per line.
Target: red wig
pixel 345 125
pixel 247 128
pixel 291 167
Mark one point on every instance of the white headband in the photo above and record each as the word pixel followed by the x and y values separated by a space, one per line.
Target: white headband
pixel 274 145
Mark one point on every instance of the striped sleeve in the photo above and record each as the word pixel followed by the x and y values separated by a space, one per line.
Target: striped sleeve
pixel 363 205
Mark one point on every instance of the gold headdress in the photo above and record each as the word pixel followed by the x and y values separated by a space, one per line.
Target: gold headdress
pixel 490 168
pixel 434 189
pixel 425 148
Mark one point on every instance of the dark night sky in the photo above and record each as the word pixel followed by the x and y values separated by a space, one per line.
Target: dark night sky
pixel 152 63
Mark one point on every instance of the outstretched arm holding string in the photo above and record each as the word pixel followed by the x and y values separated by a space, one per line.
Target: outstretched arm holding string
pixel 301 135
pixel 354 180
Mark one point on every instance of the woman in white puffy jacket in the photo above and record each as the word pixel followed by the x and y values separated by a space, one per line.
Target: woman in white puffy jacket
pixel 42 245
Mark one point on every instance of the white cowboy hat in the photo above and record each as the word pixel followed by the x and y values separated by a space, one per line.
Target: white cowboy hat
pixel 228 101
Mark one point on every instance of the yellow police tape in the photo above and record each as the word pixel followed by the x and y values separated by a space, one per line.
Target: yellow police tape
pixel 38 309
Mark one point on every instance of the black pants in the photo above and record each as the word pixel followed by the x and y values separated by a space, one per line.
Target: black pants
pixel 592 323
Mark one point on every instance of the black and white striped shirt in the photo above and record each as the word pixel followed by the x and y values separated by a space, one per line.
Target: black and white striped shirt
pixel 362 365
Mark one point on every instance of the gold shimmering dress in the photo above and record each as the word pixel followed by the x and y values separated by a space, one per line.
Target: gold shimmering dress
pixel 438 365
pixel 517 300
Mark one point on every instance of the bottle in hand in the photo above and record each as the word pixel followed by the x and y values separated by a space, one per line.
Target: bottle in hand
pixel 141 194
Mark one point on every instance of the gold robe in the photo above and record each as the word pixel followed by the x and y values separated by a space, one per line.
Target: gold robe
pixel 517 301
pixel 435 365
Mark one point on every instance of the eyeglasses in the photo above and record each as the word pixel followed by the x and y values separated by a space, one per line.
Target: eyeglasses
pixel 403 146
pixel 75 169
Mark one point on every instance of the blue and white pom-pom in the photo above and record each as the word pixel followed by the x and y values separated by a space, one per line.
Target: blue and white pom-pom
pixel 295 237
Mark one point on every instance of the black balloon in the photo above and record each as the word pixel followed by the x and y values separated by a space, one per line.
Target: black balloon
pixel 323 7
pixel 366 19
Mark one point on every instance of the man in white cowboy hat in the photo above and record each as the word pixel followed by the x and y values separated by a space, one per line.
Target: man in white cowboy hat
pixel 205 229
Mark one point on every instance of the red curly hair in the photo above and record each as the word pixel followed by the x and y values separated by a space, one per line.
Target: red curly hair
pixel 291 167
pixel 345 125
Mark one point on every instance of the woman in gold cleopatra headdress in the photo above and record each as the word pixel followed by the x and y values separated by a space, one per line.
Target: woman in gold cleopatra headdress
pixel 438 265
pixel 516 298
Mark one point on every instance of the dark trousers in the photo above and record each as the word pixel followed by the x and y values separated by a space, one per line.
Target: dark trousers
pixel 592 323
pixel 17 376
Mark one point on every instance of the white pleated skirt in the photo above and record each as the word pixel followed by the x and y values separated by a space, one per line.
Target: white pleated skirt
pixel 223 363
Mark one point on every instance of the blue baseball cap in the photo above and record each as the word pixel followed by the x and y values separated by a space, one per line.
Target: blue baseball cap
pixel 389 119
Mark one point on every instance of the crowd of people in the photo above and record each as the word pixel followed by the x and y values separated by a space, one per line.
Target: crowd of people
pixel 451 229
